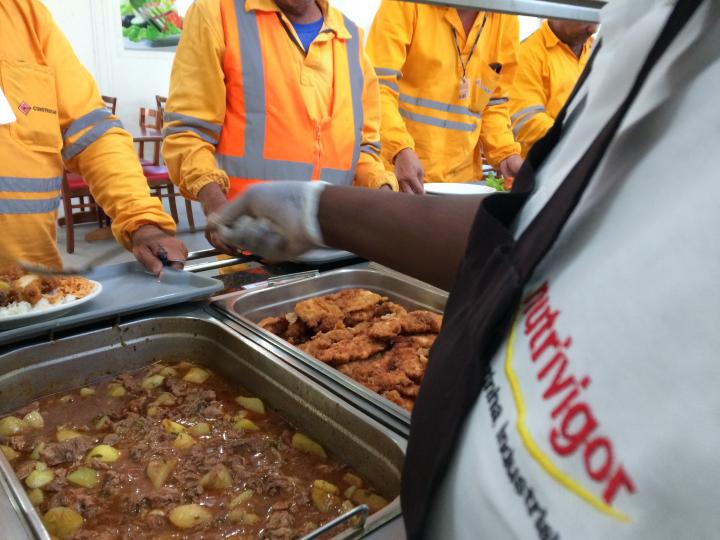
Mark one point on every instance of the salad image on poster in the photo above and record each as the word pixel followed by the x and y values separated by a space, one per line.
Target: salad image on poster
pixel 152 24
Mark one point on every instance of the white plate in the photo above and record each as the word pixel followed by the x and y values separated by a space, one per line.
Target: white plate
pixel 49 313
pixel 456 188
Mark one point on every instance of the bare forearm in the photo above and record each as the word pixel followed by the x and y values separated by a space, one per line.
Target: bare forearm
pixel 424 237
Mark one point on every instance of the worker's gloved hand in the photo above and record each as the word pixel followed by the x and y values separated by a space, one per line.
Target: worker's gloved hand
pixel 155 249
pixel 277 220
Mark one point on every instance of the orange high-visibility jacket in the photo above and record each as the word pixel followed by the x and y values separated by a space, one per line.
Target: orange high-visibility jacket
pixel 248 104
pixel 547 73
pixel 414 52
pixel 61 121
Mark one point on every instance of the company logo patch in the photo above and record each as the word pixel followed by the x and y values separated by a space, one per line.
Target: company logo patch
pixel 24 108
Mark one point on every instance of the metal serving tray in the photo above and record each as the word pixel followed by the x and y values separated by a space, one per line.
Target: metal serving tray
pixel 249 308
pixel 35 371
pixel 127 288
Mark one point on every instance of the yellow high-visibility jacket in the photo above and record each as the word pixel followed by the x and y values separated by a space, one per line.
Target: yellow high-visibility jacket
pixel 414 52
pixel 546 75
pixel 248 104
pixel 61 121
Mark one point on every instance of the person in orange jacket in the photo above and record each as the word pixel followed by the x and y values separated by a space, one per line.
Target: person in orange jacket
pixel 550 62
pixel 445 75
pixel 265 90
pixel 55 119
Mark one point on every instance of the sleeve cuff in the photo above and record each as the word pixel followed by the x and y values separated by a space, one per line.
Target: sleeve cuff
pixel 497 157
pixel 191 188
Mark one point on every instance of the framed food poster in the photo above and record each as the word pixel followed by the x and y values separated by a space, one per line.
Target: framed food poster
pixel 152 24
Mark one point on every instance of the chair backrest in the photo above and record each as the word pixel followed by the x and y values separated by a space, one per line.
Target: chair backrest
pixel 150 118
pixel 161 101
pixel 110 103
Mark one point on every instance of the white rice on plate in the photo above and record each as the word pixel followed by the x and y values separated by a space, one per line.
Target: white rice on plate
pixel 21 308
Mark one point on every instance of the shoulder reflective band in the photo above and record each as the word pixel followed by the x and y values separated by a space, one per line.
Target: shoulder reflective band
pixel 191 121
pixel 373 148
pixel 13 184
pixel 28 206
pixel 529 113
pixel 437 105
pixel 387 72
pixel 174 130
pixel 526 110
pixel 436 122
pixel 84 122
pixel 389 84
pixel 90 137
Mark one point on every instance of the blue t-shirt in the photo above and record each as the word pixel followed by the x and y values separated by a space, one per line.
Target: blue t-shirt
pixel 308 32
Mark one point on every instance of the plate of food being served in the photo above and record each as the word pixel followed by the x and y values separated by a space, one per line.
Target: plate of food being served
pixel 26 298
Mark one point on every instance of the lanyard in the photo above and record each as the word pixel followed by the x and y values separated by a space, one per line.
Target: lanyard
pixel 472 51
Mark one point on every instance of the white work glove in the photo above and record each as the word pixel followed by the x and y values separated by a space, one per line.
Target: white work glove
pixel 276 220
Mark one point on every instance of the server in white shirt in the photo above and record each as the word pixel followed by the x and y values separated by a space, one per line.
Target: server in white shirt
pixel 573 390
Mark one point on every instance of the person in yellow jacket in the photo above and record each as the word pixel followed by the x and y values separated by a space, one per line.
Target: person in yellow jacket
pixel 550 62
pixel 266 90
pixel 56 119
pixel 445 74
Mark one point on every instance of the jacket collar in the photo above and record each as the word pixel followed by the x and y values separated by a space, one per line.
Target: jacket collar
pixel 551 40
pixel 334 20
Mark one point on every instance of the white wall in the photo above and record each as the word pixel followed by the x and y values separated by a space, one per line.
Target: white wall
pixel 134 77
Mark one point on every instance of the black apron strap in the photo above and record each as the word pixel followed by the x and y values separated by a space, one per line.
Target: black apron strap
pixel 486 295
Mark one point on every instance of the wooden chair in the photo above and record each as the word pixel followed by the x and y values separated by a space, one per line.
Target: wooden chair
pixel 161 101
pixel 157 175
pixel 110 103
pixel 150 119
pixel 75 187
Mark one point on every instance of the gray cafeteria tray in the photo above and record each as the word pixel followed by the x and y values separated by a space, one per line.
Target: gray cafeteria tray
pixel 249 308
pixel 35 371
pixel 127 288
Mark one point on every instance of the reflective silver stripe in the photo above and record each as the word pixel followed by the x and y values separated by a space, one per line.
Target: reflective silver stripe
pixel 372 147
pixel 486 89
pixel 389 84
pixel 337 177
pixel 172 130
pixel 523 112
pixel 28 206
pixel 90 119
pixel 253 74
pixel 186 120
pixel 387 72
pixel 90 137
pixel 30 185
pixel 368 149
pixel 257 168
pixel 445 124
pixel 437 105
pixel 498 101
pixel 518 126
pixel 357 84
